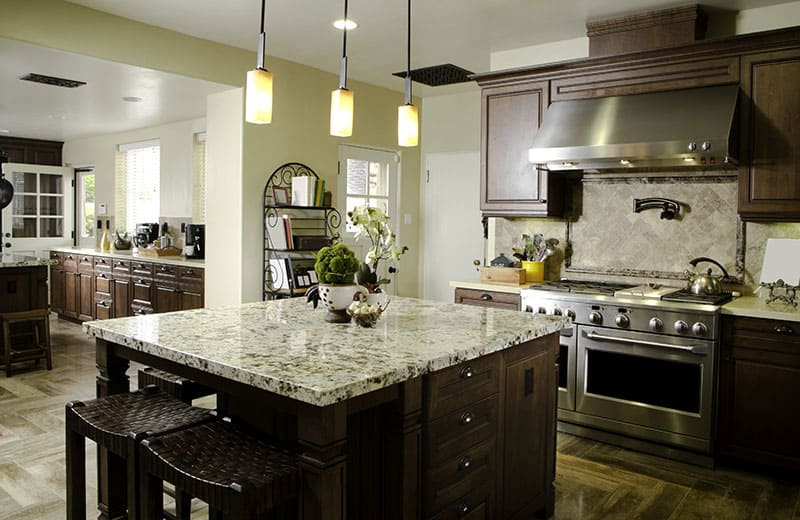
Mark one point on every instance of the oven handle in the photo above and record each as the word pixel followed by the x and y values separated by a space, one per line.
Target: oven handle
pixel 700 350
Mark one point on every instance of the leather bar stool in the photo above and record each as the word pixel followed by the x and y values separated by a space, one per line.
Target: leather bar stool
pixel 179 387
pixel 26 337
pixel 235 471
pixel 117 423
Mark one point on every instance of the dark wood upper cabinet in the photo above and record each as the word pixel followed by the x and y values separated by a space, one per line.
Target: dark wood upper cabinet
pixel 510 184
pixel 31 151
pixel 769 182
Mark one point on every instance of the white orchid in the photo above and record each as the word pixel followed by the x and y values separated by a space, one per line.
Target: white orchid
pixel 373 223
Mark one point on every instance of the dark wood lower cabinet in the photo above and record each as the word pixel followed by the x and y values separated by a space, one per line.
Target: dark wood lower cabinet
pixel 496 299
pixel 23 288
pixel 759 385
pixel 86 288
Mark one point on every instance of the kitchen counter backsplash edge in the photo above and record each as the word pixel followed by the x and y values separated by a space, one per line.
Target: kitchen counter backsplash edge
pixel 129 255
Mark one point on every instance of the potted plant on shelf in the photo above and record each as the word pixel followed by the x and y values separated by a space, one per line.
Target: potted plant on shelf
pixel 373 224
pixel 336 267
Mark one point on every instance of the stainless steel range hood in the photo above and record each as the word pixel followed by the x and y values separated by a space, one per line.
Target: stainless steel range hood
pixel 690 128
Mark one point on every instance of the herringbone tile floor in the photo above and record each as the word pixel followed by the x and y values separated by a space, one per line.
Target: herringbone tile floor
pixel 594 480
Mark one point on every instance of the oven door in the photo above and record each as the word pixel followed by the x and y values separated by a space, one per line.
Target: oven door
pixel 566 368
pixel 655 383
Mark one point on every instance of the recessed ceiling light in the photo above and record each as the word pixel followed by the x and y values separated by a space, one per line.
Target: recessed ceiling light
pixel 59 117
pixel 4 131
pixel 132 99
pixel 343 24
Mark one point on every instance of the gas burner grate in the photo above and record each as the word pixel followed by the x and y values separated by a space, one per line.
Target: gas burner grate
pixel 583 286
pixel 686 296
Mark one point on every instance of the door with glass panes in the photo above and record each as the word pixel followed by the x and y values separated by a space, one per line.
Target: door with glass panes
pixel 369 176
pixel 41 214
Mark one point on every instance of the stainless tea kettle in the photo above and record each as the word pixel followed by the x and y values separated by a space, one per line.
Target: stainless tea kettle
pixel 705 283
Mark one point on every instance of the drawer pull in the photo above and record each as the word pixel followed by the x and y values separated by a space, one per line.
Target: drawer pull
pixel 463 508
pixel 486 297
pixel 784 329
pixel 466 418
pixel 464 463
pixel 467 372
pixel 189 271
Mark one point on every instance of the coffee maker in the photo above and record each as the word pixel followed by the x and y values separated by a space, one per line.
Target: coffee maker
pixel 195 241
pixel 146 234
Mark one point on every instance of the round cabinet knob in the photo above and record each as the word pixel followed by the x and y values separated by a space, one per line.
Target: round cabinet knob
pixel 542 310
pixel 595 317
pixel 706 146
pixel 557 312
pixel 570 314
pixel 656 325
pixel 622 320
pixel 463 508
pixel 699 329
pixel 467 372
pixel 464 463
pixel 466 418
pixel 692 146
pixel 681 327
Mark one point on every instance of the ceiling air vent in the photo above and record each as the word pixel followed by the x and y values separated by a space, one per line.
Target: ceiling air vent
pixel 52 80
pixel 438 75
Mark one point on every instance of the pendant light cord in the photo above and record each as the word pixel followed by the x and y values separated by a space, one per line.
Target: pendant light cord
pixel 262 39
pixel 263 8
pixel 408 58
pixel 343 67
pixel 344 37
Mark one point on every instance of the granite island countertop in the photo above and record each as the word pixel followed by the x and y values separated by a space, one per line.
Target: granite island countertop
pixel 14 260
pixel 286 347
pixel 132 254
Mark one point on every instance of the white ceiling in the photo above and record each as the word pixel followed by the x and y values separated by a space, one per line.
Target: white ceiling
pixel 462 32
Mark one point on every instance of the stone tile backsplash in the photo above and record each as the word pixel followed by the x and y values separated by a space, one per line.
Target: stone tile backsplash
pixel 609 241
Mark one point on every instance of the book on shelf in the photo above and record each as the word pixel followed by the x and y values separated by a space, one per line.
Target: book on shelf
pixel 280 235
pixel 303 191
pixel 287 228
pixel 319 192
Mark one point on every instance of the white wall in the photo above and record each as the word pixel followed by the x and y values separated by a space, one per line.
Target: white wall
pixel 176 163
pixel 540 54
pixel 224 199
pixel 768 18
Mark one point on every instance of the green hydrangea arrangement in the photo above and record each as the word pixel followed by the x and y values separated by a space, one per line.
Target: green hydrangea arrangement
pixel 336 264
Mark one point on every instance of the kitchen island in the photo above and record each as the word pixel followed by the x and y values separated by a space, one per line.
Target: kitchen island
pixel 23 282
pixel 439 409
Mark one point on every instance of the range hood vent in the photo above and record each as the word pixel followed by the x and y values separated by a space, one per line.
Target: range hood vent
pixel 52 80
pixel 681 129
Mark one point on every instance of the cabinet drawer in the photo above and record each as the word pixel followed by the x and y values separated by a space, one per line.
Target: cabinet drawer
pixel 190 278
pixel 141 269
pixel 454 387
pixel 58 257
pixel 102 263
pixel 498 300
pixel 141 310
pixel 456 477
pixel 476 505
pixel 142 292
pixel 102 283
pixel 102 309
pixel 85 263
pixel 166 274
pixel 121 266
pixel 762 333
pixel 70 262
pixel 455 432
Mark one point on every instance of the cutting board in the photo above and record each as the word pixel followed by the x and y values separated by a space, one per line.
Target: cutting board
pixel 781 261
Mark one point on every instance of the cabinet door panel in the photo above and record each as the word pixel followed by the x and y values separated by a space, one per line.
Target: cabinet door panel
pixel 71 295
pixel 770 113
pixel 510 184
pixel 190 300
pixel 85 296
pixel 527 402
pixel 121 297
pixel 166 299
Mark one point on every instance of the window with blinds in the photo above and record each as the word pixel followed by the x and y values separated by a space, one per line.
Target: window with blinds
pixel 137 192
pixel 199 178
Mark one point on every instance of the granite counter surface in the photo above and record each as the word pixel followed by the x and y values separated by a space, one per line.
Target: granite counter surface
pixel 134 255
pixel 483 286
pixel 13 260
pixel 287 348
pixel 754 307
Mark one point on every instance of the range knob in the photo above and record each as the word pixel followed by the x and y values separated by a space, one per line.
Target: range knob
pixel 571 314
pixel 699 329
pixel 681 327
pixel 656 325
pixel 706 145
pixel 622 320
pixel 542 310
pixel 557 312
pixel 595 317
pixel 692 146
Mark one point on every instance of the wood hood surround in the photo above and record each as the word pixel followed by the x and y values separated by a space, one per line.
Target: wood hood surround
pixel 513 101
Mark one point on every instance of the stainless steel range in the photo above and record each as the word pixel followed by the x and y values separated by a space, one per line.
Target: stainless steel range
pixel 638 364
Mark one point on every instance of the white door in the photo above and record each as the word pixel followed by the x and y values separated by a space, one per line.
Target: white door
pixel 86 223
pixel 452 233
pixel 369 176
pixel 41 214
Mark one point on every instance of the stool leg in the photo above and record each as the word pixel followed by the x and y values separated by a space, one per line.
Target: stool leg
pixel 151 497
pixel 183 505
pixel 48 350
pixel 76 475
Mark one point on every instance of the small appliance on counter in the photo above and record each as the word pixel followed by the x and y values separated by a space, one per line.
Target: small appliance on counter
pixel 195 241
pixel 146 234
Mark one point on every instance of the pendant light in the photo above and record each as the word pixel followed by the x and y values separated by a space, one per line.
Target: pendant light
pixel 258 96
pixel 342 98
pixel 407 115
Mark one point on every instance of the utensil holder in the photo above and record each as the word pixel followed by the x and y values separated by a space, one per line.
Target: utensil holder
pixel 534 271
